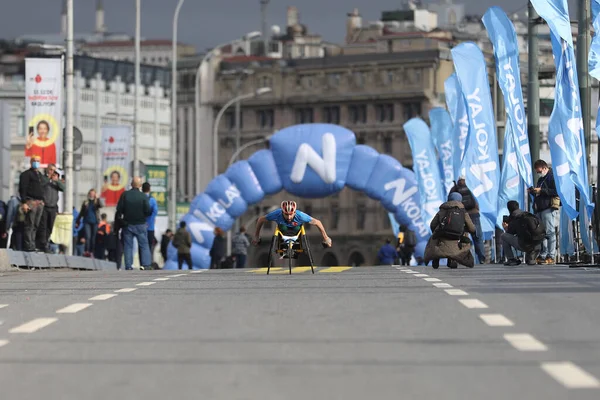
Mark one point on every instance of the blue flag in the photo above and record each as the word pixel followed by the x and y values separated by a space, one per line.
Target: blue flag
pixel 426 168
pixel 395 225
pixel 506 52
pixel 511 185
pixel 594 56
pixel 591 246
pixel 480 161
pixel 566 234
pixel 455 100
pixel 441 132
pixel 566 123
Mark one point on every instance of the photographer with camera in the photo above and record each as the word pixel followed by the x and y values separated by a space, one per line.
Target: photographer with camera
pixel 51 189
pixel 545 205
pixel 523 232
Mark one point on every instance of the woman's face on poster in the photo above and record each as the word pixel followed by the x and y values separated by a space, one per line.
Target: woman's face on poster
pixel 43 130
pixel 115 179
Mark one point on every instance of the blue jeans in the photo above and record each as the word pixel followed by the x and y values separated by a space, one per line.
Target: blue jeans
pixel 90 237
pixel 140 232
pixel 478 237
pixel 240 260
pixel 548 217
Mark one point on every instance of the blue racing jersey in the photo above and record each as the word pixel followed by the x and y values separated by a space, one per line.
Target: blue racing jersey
pixel 292 227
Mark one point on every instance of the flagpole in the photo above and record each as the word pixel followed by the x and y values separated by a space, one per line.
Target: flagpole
pixel 583 45
pixel 533 84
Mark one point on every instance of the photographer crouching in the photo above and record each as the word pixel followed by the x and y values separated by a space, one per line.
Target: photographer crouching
pixel 523 232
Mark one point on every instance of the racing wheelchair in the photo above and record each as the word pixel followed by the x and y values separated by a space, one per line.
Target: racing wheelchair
pixel 289 247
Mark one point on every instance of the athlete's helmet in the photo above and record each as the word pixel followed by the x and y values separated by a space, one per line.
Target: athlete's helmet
pixel 288 206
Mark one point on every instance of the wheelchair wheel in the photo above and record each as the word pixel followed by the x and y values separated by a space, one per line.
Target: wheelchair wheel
pixel 290 255
pixel 307 249
pixel 272 252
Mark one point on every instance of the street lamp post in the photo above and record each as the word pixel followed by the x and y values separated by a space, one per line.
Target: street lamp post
pixel 136 112
pixel 68 140
pixel 173 160
pixel 247 145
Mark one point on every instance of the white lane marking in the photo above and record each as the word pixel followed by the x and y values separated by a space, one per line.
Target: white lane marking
pixel 198 271
pixel 411 272
pixel 496 320
pixel 524 342
pixel 126 290
pixel 103 297
pixel 146 283
pixel 33 325
pixel 442 285
pixel 3 342
pixel 162 279
pixel 456 292
pixel 421 275
pixel 3 305
pixel 570 375
pixel 432 280
pixel 473 303
pixel 74 308
pixel 176 276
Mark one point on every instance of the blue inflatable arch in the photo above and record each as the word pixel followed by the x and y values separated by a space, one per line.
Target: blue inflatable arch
pixel 308 161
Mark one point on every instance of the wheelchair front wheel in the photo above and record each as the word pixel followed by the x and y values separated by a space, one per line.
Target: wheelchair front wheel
pixel 290 252
pixel 272 252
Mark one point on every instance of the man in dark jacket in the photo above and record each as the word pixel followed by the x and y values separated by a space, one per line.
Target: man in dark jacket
pixel 51 189
pixel 545 205
pixel 520 235
pixel 387 253
pixel 31 190
pixel 90 214
pixel 472 208
pixel 182 241
pixel 135 208
pixel 164 243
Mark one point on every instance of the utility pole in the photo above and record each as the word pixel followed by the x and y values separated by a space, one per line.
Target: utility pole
pixel 68 140
pixel 583 45
pixel 533 83
pixel 263 11
pixel 136 107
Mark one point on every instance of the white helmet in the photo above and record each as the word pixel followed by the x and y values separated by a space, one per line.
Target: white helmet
pixel 288 206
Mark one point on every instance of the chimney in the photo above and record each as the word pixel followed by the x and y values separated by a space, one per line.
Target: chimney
pixel 63 19
pixel 292 16
pixel 99 17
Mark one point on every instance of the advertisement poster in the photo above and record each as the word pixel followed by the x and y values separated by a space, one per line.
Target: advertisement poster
pixel 116 158
pixel 156 176
pixel 43 108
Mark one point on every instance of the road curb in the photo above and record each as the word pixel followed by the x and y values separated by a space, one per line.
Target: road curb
pixel 11 260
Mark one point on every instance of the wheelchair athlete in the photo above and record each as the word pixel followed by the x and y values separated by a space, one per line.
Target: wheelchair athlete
pixel 289 221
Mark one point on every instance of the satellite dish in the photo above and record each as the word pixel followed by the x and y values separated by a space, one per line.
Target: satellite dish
pixel 276 30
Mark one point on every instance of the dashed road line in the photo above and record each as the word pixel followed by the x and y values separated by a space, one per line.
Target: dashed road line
pixel 3 342
pixel 146 283
pixel 432 280
pixel 103 297
pixel 198 271
pixel 73 308
pixel 421 275
pixel 176 276
pixel 496 320
pixel 3 305
pixel 570 375
pixel 442 285
pixel 456 292
pixel 33 325
pixel 473 303
pixel 524 342
pixel 162 279
pixel 126 290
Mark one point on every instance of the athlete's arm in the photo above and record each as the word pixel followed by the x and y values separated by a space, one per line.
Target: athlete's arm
pixel 319 225
pixel 259 224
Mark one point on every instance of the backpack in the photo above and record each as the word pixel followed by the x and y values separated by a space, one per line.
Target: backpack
pixel 410 239
pixel 469 201
pixel 532 229
pixel 452 225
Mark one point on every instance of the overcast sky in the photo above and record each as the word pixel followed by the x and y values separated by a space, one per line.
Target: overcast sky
pixel 207 22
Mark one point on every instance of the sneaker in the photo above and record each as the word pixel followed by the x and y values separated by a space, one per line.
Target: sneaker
pixel 549 261
pixel 513 262
pixel 540 260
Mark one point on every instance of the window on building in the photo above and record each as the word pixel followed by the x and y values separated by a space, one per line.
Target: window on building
pixel 390 46
pixel 384 112
pixel 304 115
pixel 386 220
pixel 331 114
pixel 230 120
pixel 411 110
pixel 265 118
pixel 358 113
pixel 546 106
pixel 335 216
pixel 266 81
pixel 361 216
pixel 333 79
pixel 387 144
pixel 20 126
pixel 359 78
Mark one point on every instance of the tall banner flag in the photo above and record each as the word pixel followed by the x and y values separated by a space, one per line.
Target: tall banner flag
pixel 480 161
pixel 511 186
pixel 116 158
pixel 566 124
pixel 591 246
pixel 566 234
pixel 43 108
pixel 506 52
pixel 455 100
pixel 441 132
pixel 426 168
pixel 594 57
pixel 156 176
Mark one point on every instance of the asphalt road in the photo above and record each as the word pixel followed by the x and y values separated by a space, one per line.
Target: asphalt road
pixel 489 333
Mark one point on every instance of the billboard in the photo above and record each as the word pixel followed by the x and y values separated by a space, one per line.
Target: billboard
pixel 116 159
pixel 156 176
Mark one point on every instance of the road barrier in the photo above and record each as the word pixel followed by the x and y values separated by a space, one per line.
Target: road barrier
pixel 11 260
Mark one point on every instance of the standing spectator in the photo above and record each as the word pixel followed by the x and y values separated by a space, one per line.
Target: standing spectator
pixel 472 208
pixel 545 205
pixel 182 241
pixel 111 243
pixel 102 238
pixel 90 213
pixel 3 228
pixel 135 208
pixel 150 221
pixel 13 210
pixel 51 189
pixel 407 241
pixel 31 190
pixel 240 244
pixel 387 253
pixel 524 232
pixel 80 243
pixel 217 251
pixel 164 243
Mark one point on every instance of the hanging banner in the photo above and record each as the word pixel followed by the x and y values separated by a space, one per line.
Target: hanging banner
pixel 425 167
pixel 506 52
pixel 441 133
pixel 511 186
pixel 455 100
pixel 43 108
pixel 594 56
pixel 566 238
pixel 156 176
pixel 116 159
pixel 480 161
